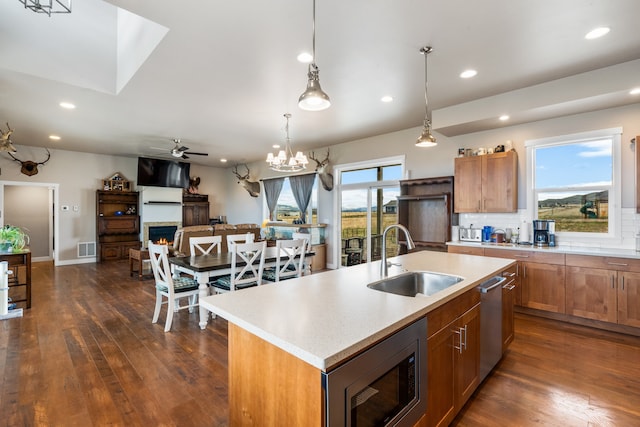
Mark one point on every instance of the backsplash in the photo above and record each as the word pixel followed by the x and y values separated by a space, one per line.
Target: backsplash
pixel 630 225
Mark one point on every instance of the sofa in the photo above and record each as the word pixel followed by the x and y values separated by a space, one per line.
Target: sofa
pixel 182 235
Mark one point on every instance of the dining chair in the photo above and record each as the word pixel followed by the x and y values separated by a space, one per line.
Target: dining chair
pixel 234 238
pixel 205 245
pixel 169 287
pixel 247 265
pixel 308 262
pixel 290 262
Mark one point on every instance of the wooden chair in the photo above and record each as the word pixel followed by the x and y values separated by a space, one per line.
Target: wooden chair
pixel 242 276
pixel 171 288
pixel 243 238
pixel 205 245
pixel 290 266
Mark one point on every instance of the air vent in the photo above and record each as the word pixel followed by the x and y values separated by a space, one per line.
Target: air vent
pixel 86 249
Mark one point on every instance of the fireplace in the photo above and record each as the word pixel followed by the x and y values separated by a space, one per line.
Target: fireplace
pixel 159 232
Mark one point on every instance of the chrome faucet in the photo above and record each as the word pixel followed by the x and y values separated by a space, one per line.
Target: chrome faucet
pixel 384 267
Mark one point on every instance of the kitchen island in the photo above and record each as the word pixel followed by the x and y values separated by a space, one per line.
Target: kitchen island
pixel 285 335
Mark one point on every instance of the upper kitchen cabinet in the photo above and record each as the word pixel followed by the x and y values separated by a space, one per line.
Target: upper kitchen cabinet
pixel 637 139
pixel 487 183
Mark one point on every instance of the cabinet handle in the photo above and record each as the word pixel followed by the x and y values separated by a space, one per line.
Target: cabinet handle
pixel 618 263
pixel 613 283
pixel 623 283
pixel 509 287
pixel 520 256
pixel 459 333
pixel 479 205
pixel 524 271
pixel 465 336
pixel 507 274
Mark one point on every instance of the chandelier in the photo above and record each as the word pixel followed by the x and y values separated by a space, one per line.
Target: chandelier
pixel 47 6
pixel 314 98
pixel 285 161
pixel 426 139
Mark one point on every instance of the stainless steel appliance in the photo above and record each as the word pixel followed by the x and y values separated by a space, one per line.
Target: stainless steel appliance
pixel 541 232
pixel 384 386
pixel 490 324
pixel 470 234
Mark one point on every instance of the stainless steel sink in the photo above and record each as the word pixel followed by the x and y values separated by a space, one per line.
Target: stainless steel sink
pixel 415 282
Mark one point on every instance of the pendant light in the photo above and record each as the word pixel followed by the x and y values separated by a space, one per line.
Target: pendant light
pixel 426 139
pixel 314 98
pixel 285 161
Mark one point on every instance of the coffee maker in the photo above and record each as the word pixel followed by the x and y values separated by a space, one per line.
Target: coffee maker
pixel 541 232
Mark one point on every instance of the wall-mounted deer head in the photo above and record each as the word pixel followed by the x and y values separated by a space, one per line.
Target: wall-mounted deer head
pixel 29 167
pixel 326 178
pixel 252 187
pixel 5 140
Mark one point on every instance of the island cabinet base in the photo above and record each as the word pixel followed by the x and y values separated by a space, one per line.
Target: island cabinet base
pixel 270 387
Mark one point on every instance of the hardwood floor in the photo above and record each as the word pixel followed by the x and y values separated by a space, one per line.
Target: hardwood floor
pixel 87 354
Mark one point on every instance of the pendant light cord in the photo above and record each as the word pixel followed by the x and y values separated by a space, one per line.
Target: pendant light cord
pixel 425 51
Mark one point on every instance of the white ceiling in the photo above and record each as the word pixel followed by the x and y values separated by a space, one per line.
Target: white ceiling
pixel 220 75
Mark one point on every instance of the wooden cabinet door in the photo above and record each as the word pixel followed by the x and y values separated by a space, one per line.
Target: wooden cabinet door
pixel 440 366
pixel 466 250
pixel 629 299
pixel 543 286
pixel 467 184
pixel 500 182
pixel 467 362
pixel 591 293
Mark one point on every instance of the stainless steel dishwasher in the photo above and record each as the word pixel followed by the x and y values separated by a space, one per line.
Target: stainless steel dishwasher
pixel 490 324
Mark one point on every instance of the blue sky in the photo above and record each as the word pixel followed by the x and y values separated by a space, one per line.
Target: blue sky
pixel 577 165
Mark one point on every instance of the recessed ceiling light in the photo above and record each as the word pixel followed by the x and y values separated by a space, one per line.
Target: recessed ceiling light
pixel 386 98
pixel 466 74
pixel 635 91
pixel 67 105
pixel 223 160
pixel 305 57
pixel 54 137
pixel 504 117
pixel 596 33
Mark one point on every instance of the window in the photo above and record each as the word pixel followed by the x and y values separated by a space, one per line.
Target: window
pixel 575 180
pixel 287 209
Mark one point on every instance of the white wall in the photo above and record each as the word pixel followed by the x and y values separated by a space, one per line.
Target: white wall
pixel 79 175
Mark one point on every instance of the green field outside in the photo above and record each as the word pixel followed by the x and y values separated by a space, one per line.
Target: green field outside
pixel 569 218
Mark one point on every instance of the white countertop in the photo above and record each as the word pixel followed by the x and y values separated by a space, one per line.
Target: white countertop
pixel 325 318
pixel 562 249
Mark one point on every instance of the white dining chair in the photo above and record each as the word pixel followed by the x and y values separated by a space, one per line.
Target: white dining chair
pixel 243 238
pixel 307 261
pixel 205 245
pixel 169 287
pixel 247 265
pixel 290 261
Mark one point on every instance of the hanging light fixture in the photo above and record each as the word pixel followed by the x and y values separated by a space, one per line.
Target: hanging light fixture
pixel 47 6
pixel 314 98
pixel 426 139
pixel 285 161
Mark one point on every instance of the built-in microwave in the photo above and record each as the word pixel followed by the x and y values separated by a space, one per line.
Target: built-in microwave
pixel 384 386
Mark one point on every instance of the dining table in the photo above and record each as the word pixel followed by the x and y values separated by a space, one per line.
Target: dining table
pixel 205 267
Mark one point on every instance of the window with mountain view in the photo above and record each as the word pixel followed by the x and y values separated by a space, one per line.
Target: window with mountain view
pixel 573 182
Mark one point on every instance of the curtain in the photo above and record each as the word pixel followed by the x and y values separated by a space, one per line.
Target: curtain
pixel 302 186
pixel 272 188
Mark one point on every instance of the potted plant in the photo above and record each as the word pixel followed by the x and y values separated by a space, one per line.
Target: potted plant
pixel 13 238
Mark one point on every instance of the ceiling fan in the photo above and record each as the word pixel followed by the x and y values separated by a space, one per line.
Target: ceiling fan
pixel 180 151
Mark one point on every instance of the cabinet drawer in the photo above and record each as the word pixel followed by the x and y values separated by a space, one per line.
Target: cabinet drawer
pixel 605 262
pixel 447 313
pixel 467 250
pixel 118 225
pixel 527 256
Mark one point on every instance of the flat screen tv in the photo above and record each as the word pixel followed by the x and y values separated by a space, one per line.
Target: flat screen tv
pixel 163 173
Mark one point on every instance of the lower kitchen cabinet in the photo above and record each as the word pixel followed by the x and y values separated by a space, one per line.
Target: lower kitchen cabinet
pixel 543 286
pixel 606 294
pixel 453 357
